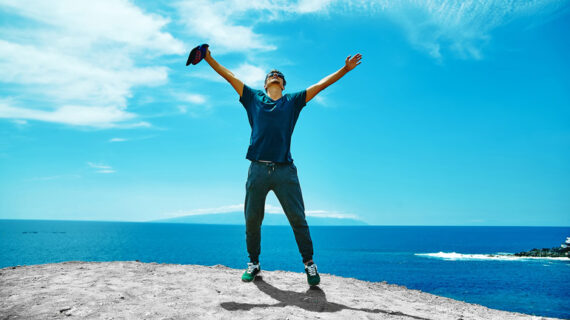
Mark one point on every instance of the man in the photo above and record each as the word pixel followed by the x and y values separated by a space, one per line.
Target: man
pixel 272 117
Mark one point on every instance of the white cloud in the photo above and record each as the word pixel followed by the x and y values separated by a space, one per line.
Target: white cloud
pixel 98 117
pixel 462 27
pixel 116 21
pixel 48 178
pixel 198 104
pixel 213 21
pixel 330 214
pixel 101 168
pixel 308 6
pixel 208 74
pixel 81 53
pixel 217 210
pixel 65 77
pixel 19 122
pixel 192 98
pixel 228 26
pixel 251 75
pixel 106 171
pixel 98 165
pixel 182 109
pixel 432 26
pixel 82 59
pixel 193 111
pixel 131 139
pixel 269 209
pixel 320 99
pixel 435 26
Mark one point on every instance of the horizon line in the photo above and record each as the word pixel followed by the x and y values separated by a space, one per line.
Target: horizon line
pixel 344 225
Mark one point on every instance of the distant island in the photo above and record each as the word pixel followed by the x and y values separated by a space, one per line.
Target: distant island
pixel 270 219
pixel 562 251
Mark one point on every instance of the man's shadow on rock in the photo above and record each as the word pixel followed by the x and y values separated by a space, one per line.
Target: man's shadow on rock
pixel 313 299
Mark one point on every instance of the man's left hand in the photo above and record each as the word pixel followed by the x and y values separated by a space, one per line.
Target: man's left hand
pixel 351 63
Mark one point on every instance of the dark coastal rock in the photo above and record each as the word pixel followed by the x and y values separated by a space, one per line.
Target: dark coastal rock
pixel 546 252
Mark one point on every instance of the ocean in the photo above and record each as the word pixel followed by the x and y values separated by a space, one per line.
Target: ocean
pixel 447 261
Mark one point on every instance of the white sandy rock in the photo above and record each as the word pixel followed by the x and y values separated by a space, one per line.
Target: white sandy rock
pixel 135 290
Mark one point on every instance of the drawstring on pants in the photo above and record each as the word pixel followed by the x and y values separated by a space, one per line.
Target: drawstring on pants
pixel 271 166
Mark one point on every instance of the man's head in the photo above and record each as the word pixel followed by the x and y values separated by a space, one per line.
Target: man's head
pixel 275 77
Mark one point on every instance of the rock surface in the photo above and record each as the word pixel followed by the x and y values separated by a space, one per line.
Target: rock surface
pixel 135 290
pixel 546 252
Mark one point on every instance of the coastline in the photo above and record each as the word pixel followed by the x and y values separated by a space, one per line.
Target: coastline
pixel 130 289
pixel 486 256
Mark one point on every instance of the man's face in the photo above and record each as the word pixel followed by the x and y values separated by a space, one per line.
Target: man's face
pixel 275 77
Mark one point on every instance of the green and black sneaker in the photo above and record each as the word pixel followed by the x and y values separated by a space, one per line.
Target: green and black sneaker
pixel 251 272
pixel 312 275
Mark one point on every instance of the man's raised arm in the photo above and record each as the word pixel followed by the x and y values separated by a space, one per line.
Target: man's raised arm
pixel 225 73
pixel 349 64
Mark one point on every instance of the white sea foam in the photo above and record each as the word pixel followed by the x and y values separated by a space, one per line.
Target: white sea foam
pixel 496 256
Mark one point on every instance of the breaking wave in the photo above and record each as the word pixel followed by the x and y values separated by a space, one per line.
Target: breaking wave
pixel 496 256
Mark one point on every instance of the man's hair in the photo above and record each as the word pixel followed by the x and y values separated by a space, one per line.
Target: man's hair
pixel 270 72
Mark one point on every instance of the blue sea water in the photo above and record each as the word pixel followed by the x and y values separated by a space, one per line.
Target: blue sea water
pixel 373 253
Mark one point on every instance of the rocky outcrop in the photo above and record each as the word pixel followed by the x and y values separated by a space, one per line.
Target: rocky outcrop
pixel 560 252
pixel 546 252
pixel 134 290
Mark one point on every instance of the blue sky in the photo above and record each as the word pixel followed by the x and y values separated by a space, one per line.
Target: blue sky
pixel 458 115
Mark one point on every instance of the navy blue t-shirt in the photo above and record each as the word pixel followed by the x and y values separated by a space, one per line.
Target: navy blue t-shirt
pixel 272 123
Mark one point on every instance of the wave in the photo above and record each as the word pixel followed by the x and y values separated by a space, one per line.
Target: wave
pixel 495 256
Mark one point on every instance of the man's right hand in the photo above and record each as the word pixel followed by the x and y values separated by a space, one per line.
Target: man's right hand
pixel 207 54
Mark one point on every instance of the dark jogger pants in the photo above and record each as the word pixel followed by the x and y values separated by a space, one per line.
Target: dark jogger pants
pixel 283 180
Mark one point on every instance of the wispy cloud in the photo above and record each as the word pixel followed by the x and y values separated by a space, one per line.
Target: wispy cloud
pixel 101 168
pixel 216 210
pixel 216 22
pixel 99 117
pixel 64 77
pixel 192 110
pixel 269 209
pixel 251 74
pixel 330 214
pixel 195 105
pixel 433 26
pixel 82 55
pixel 19 122
pixel 441 26
pixel 309 6
pixel 192 98
pixel 49 178
pixel 322 99
pixel 83 62
pixel 116 139
pixel 82 24
pixel 461 27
